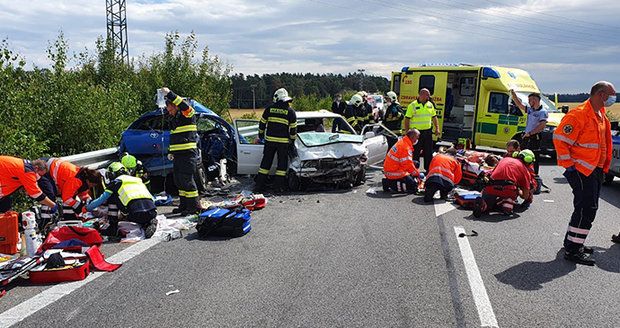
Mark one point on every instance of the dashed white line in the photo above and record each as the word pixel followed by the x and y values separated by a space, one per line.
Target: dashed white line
pixel 479 292
pixel 53 294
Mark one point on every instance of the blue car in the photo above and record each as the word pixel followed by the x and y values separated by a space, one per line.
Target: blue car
pixel 148 139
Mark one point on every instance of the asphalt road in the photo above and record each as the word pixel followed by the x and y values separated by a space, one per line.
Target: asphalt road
pixel 353 259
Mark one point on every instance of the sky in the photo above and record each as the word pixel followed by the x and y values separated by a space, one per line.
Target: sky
pixel 566 45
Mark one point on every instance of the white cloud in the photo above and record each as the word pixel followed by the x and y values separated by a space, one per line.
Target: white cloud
pixel 564 44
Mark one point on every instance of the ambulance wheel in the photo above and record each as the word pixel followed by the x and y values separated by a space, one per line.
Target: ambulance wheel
pixel 609 178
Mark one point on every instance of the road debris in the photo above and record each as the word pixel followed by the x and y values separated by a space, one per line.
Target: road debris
pixel 473 233
pixel 176 291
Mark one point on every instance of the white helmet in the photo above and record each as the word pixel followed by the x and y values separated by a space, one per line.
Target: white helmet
pixel 356 100
pixel 364 94
pixel 392 95
pixel 281 95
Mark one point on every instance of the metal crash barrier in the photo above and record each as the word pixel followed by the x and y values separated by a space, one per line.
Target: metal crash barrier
pixel 94 159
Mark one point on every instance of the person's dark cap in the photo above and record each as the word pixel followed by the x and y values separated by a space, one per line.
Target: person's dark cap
pixel 534 94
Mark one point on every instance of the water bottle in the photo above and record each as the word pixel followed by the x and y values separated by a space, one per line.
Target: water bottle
pixel 161 100
pixel 32 238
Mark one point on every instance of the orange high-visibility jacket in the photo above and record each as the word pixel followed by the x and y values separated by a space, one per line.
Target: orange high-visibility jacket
pixel 446 167
pixel 577 140
pixel 64 175
pixel 14 174
pixel 398 162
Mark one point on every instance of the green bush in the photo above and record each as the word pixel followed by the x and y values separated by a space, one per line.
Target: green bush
pixel 312 102
pixel 84 102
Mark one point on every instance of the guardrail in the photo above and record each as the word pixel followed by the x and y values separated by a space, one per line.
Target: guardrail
pixel 94 159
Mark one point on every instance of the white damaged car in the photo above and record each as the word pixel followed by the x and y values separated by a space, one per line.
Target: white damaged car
pixel 328 150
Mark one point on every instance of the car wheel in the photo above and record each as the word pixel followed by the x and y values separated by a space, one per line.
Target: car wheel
pixel 200 177
pixel 609 178
pixel 294 182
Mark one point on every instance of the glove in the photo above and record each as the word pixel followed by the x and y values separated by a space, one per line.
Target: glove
pixel 54 209
pixel 171 157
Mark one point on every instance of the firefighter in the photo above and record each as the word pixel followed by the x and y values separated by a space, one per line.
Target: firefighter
pixel 583 145
pixel 184 151
pixel 401 175
pixel 130 195
pixel 393 118
pixel 421 115
pixel 365 116
pixel 16 173
pixel 445 172
pixel 136 169
pixel 72 182
pixel 354 112
pixel 278 129
pixel 510 179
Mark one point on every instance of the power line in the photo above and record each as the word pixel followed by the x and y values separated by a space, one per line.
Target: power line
pixel 581 22
pixel 457 19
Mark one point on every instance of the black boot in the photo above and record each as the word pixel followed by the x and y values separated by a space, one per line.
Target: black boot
pixel 193 206
pixel 616 238
pixel 579 257
pixel 182 206
pixel 385 184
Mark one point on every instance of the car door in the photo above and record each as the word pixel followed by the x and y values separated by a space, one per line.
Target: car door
pixel 147 137
pixel 249 153
pixel 375 142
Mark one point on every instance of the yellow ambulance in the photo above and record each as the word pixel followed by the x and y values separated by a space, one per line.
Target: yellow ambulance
pixel 477 100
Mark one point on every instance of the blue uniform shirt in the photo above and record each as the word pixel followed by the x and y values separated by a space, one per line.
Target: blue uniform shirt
pixel 534 117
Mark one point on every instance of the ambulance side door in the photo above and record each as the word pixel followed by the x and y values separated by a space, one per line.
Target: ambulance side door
pixel 494 121
pixel 437 84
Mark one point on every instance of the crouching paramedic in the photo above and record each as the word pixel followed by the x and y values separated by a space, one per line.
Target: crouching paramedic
pixel 510 179
pixel 135 168
pixel 130 195
pixel 401 175
pixel 72 183
pixel 278 127
pixel 16 173
pixel 184 151
pixel 444 173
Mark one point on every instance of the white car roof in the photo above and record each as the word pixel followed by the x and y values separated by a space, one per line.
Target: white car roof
pixel 323 113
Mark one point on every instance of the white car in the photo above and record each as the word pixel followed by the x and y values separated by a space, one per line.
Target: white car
pixel 328 150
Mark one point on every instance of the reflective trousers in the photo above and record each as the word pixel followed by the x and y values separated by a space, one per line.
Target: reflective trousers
pixel 184 168
pixel 586 191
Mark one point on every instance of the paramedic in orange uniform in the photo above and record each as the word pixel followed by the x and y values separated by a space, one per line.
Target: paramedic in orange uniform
pixel 14 174
pixel 401 175
pixel 445 172
pixel 583 145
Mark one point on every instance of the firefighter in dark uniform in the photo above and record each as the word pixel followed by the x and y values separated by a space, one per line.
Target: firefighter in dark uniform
pixel 184 151
pixel 366 115
pixel 393 118
pixel 278 128
pixel 354 114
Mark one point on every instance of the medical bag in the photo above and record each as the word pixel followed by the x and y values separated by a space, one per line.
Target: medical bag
pixel 229 222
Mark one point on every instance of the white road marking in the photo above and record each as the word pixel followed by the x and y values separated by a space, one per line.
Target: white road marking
pixel 443 207
pixel 53 294
pixel 479 292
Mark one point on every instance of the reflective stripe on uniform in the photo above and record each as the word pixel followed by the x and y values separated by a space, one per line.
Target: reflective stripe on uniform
pixel 564 139
pixel 185 128
pixel 278 120
pixel 586 164
pixel 398 159
pixel 576 240
pixel 564 157
pixel 263 171
pixel 588 145
pixel 578 230
pixel 280 173
pixel 184 146
pixel 177 100
pixel 132 188
pixel 277 139
pixel 191 194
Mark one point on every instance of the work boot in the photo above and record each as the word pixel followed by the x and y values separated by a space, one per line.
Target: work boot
pixel 150 229
pixel 385 185
pixel 616 238
pixel 587 249
pixel 182 206
pixel 259 184
pixel 579 257
pixel 193 206
pixel 479 207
